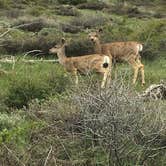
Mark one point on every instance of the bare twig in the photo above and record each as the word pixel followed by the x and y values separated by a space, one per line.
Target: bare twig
pixel 32 51
pixel 11 152
pixel 14 27
pixel 11 61
pixel 45 163
pixel 5 33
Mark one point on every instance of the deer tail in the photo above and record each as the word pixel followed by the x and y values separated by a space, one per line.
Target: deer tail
pixel 140 47
pixel 106 61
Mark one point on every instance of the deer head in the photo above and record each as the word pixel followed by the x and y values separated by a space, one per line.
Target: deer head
pixel 94 36
pixel 58 47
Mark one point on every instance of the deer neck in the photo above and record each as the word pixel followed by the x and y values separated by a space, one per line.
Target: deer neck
pixel 97 47
pixel 61 56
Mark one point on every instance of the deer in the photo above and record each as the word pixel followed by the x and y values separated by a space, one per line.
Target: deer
pixel 126 51
pixel 82 64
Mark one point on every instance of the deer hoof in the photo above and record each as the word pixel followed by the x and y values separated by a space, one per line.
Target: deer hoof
pixel 143 84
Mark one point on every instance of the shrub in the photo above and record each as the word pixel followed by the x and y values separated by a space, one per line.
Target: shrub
pixel 22 42
pixel 93 5
pixel 67 11
pixel 4 4
pixel 9 121
pixel 89 21
pixel 110 126
pixel 31 25
pixel 36 11
pixel 23 91
pixel 39 2
pixel 31 86
pixel 19 41
pixel 121 123
pixel 13 13
pixel 79 47
pixel 72 2
pixel 152 39
pixel 69 28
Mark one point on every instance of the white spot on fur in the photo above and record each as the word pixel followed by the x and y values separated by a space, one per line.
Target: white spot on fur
pixel 106 59
pixel 140 47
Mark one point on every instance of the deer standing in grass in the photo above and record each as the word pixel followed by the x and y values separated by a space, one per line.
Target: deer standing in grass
pixel 126 51
pixel 83 64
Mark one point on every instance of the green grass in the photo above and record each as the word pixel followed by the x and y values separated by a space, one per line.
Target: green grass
pixel 29 81
pixel 40 72
pixel 155 71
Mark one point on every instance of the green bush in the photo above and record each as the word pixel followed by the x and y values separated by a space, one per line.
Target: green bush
pixel 89 21
pixel 38 2
pixel 14 46
pixel 15 129
pixel 79 47
pixel 72 2
pixel 67 11
pixel 69 28
pixel 13 13
pixel 23 91
pixel 36 11
pixel 93 5
pixel 20 41
pixel 152 36
pixel 25 88
pixel 7 122
pixel 4 3
pixel 33 25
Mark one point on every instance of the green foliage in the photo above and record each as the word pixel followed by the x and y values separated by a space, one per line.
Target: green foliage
pixel 13 13
pixel 67 11
pixel 23 91
pixel 72 2
pixel 16 128
pixel 152 36
pixel 38 2
pixel 36 11
pixel 33 86
pixel 9 121
pixel 20 41
pixel 33 25
pixel 4 4
pixel 93 5
pixel 89 20
pixel 69 28
pixel 79 47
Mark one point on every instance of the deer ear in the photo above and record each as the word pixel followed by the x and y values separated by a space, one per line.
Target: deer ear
pixel 100 30
pixel 63 40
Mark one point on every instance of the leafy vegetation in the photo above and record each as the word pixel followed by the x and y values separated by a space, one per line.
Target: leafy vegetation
pixel 72 2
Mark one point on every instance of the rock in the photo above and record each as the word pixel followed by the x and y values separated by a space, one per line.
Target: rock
pixel 155 91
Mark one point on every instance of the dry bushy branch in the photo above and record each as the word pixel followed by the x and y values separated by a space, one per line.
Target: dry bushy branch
pixel 122 123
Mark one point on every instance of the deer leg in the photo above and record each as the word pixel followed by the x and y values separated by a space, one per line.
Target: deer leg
pixel 135 66
pixel 105 75
pixel 76 79
pixel 141 66
pixel 76 76
pixel 109 72
pixel 115 68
